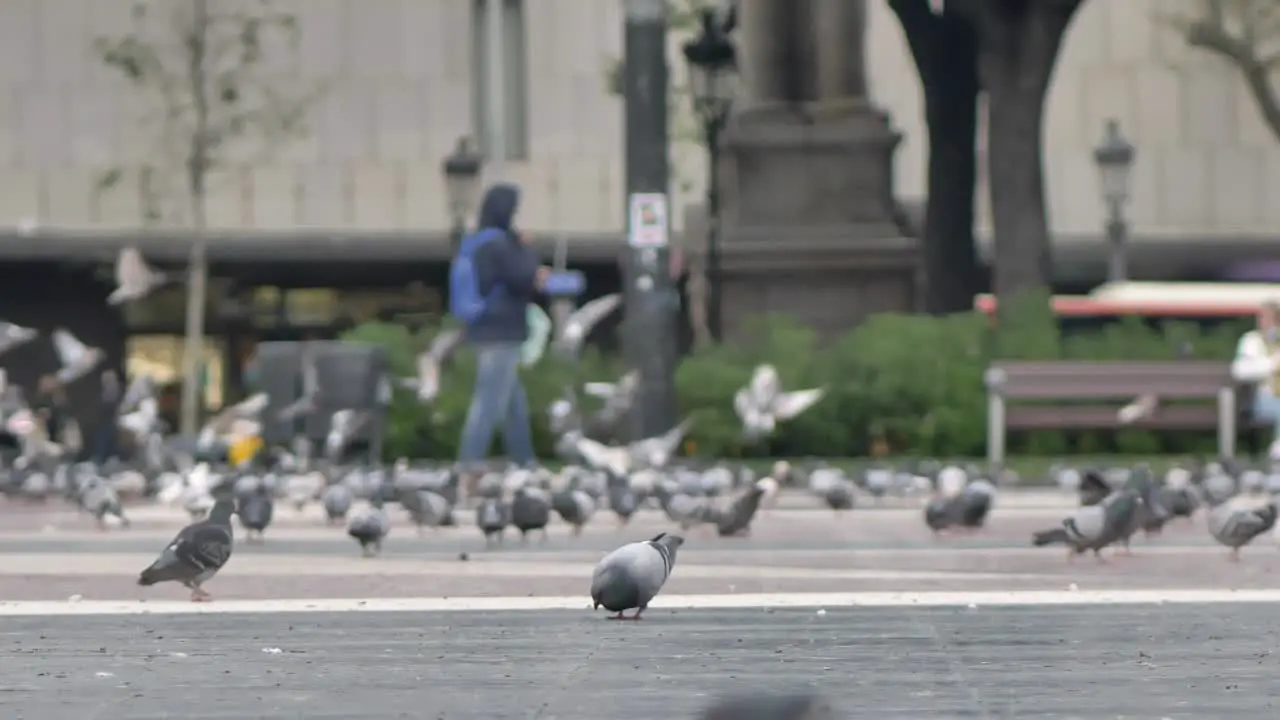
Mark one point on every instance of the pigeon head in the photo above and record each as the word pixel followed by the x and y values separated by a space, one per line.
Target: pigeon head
pixel 222 510
pixel 671 542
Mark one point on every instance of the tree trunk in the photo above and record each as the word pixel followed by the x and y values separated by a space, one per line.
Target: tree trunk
pixel 944 47
pixel 1018 43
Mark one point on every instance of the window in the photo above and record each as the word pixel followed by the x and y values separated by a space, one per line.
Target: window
pixel 160 358
pixel 508 128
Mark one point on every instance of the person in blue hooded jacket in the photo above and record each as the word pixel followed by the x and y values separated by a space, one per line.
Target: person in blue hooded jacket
pixel 509 275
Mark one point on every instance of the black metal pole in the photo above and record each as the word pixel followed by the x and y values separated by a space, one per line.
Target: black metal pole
pixel 456 234
pixel 1117 237
pixel 713 229
pixel 651 304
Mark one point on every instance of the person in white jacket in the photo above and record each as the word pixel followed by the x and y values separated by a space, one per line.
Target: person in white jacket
pixel 1257 363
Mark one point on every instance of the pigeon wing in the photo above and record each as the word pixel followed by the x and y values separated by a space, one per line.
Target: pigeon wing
pixel 791 404
pixel 428 382
pixel 743 405
pixel 140 389
pixel 602 390
pixel 71 351
pixel 592 312
pixel 444 344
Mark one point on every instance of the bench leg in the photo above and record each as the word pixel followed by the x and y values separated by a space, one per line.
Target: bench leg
pixel 995 433
pixel 1227 422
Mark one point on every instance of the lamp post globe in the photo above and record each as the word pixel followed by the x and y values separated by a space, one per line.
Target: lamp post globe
pixel 462 184
pixel 1114 157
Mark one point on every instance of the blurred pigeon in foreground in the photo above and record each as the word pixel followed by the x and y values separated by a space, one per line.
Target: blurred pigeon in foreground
pixel 135 279
pixel 12 336
pixel 583 320
pixel 370 527
pixel 762 404
pixel 1237 526
pixel 617 397
pixel 429 363
pixel 771 707
pixel 197 553
pixel 631 576
pixel 76 358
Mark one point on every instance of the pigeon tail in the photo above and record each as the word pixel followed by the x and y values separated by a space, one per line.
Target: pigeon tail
pixel 1049 537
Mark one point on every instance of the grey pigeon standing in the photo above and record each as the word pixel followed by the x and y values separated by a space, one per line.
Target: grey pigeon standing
pixel 631 576
pixel 491 518
pixel 736 519
pixel 575 507
pixel 622 500
pixel 530 511
pixel 337 500
pixel 197 553
pixel 256 508
pixel 101 500
pixel 1236 527
pixel 1092 527
pixel 427 509
pixel 371 527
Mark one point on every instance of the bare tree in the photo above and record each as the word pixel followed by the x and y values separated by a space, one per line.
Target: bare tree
pixel 1245 33
pixel 945 49
pixel 1018 44
pixel 207 90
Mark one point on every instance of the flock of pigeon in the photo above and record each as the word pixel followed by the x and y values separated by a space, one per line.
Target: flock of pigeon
pixel 1239 501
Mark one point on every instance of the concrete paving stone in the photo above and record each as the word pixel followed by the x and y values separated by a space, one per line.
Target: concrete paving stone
pixel 1177 662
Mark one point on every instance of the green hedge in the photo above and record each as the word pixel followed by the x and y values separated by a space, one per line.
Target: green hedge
pixel 902 384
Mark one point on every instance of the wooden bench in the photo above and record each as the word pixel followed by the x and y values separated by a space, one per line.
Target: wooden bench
pixel 1088 395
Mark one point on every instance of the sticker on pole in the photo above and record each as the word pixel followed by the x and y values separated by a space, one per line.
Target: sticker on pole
pixel 648 220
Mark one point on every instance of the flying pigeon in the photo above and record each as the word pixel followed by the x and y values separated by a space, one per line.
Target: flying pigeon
pixel 100 500
pixel 234 420
pixel 76 358
pixel 12 336
pixel 657 452
pixel 135 279
pixel 343 427
pixel 310 389
pixel 617 397
pixel 1093 527
pixel 1237 526
pixel 429 364
pixel 196 554
pixel 631 576
pixel 762 404
pixel 583 320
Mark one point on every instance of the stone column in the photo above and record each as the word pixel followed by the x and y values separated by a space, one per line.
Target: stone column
pixel 762 50
pixel 839 29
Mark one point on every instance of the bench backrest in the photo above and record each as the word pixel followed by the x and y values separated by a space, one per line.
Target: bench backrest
pixel 1084 379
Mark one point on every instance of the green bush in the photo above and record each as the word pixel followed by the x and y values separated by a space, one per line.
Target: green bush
pixel 905 384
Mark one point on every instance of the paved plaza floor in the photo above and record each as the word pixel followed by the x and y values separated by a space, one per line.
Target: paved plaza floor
pixel 439 627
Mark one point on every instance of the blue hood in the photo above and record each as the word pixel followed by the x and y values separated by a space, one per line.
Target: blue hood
pixel 499 207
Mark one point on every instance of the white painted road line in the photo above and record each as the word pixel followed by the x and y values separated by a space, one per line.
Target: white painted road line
pixel 667 602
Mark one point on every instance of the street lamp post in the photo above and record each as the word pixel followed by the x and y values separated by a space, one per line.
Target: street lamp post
pixel 1114 156
pixel 462 186
pixel 713 74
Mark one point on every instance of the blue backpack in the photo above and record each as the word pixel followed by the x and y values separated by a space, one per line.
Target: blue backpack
pixel 466 303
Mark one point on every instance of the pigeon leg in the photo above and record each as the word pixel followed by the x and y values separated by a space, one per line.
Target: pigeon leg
pixel 544 535
pixel 1235 555
pixel 1097 555
pixel 637 615
pixel 619 616
pixel 421 530
pixel 1071 555
pixel 199 595
pixel 577 530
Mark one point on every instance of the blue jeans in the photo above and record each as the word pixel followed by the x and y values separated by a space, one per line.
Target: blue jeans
pixel 1266 407
pixel 498 397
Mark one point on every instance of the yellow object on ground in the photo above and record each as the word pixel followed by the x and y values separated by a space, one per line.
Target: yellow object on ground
pixel 244 450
